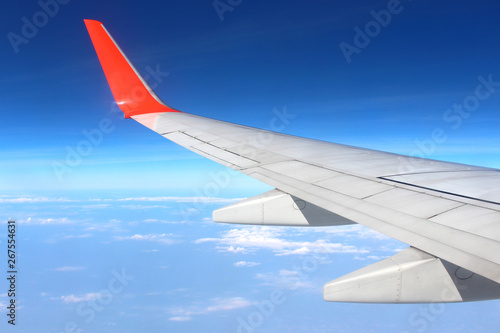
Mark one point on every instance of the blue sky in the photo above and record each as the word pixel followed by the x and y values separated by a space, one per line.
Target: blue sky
pixel 133 201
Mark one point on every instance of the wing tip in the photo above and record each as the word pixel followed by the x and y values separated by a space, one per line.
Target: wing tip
pixel 131 92
pixel 91 23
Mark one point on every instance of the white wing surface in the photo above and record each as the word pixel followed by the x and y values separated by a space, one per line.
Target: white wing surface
pixel 448 213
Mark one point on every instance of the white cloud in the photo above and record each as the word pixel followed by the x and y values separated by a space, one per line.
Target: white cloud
pixel 184 199
pixel 286 279
pixel 251 239
pixel 77 236
pixel 365 233
pixel 77 299
pixel 46 221
pixel 216 305
pixel 32 200
pixel 180 318
pixel 227 304
pixel 246 264
pixel 96 206
pixel 163 221
pixel 141 207
pixel 232 249
pixel 111 225
pixel 69 269
pixel 160 238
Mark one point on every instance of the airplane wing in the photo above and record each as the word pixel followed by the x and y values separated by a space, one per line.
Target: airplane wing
pixel 448 213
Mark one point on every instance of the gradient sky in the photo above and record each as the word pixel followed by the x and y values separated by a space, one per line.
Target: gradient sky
pixel 133 202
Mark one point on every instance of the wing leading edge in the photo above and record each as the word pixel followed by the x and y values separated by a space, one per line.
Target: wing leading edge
pixel 447 212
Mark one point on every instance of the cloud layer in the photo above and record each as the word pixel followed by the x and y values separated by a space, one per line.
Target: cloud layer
pixel 277 240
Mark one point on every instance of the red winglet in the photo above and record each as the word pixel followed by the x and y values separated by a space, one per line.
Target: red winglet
pixel 131 92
